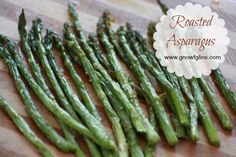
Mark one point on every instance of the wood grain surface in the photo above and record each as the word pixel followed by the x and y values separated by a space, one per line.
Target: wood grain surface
pixel 139 13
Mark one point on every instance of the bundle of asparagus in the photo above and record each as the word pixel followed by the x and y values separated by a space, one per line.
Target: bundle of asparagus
pixel 98 55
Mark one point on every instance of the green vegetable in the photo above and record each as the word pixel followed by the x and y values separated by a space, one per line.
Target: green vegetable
pixel 179 83
pixel 149 149
pixel 39 77
pixel 80 57
pixel 32 109
pixel 27 50
pixel 93 124
pixel 115 87
pixel 149 91
pixel 25 129
pixel 203 114
pixel 135 149
pixel 174 94
pixel 80 87
pixel 151 134
pixel 47 101
pixel 122 78
pixel 77 79
pixel 227 92
pixel 216 105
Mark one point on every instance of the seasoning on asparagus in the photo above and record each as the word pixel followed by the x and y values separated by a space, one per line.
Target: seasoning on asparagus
pixel 80 57
pixel 25 129
pixel 205 119
pixel 216 105
pixel 223 85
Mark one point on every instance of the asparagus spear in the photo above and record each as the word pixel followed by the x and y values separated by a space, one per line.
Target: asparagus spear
pixel 175 95
pixel 203 114
pixel 57 71
pixel 27 50
pixel 70 137
pixel 135 149
pixel 150 59
pixel 115 87
pixel 32 109
pixel 66 105
pixel 149 90
pixel 47 101
pixel 39 77
pixel 227 92
pixel 216 105
pixel 151 135
pixel 149 149
pixel 95 126
pixel 25 129
pixel 80 87
pixel 163 7
pixel 55 84
pixel 181 83
pixel 180 130
pixel 79 57
pixel 76 78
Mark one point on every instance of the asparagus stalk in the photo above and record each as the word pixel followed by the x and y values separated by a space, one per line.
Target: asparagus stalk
pixel 185 88
pixel 227 92
pixel 27 50
pixel 82 90
pixel 76 78
pixel 194 132
pixel 179 129
pixel 175 95
pixel 183 84
pixel 149 90
pixel 57 71
pixel 32 109
pixel 80 87
pixel 39 77
pixel 115 87
pixel 150 149
pixel 54 83
pixel 79 57
pixel 216 105
pixel 47 101
pixel 163 7
pixel 93 124
pixel 25 129
pixel 70 137
pixel 203 114
pixel 179 83
pixel 135 149
pixel 151 135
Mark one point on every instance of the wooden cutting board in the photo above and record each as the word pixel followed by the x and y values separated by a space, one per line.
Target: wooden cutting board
pixel 138 13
